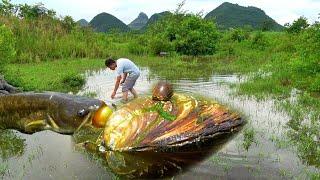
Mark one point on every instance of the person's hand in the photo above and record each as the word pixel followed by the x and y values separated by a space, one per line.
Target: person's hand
pixel 121 82
pixel 113 95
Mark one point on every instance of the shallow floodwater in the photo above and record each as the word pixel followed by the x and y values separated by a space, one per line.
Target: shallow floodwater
pixel 48 155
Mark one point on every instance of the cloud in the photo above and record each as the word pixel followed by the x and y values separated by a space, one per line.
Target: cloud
pixel 282 11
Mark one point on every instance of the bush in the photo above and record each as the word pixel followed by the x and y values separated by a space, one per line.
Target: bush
pixel 74 80
pixel 7 46
pixel 239 35
pixel 259 41
pixel 187 34
pixel 160 44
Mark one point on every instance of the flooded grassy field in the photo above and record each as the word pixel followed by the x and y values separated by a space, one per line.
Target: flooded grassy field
pixel 260 151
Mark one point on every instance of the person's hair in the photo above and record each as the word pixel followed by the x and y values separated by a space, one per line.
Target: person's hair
pixel 109 61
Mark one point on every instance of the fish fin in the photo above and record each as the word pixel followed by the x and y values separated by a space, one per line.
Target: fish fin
pixel 36 125
pixel 51 122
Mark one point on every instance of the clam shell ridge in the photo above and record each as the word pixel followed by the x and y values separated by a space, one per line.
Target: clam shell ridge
pixel 132 128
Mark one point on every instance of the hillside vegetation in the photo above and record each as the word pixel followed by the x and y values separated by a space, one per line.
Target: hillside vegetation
pixel 229 15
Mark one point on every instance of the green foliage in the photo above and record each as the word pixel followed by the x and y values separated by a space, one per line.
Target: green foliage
pixel 309 42
pixel 46 39
pixel 34 11
pixel 248 138
pixel 7 8
pixel 259 41
pixel 10 144
pixel 315 85
pixel 62 76
pixel 7 43
pixel 138 46
pixel 74 80
pixel 40 35
pixel 68 23
pixel 186 34
pixel 298 25
pixel 160 44
pixel 239 34
pixel 3 169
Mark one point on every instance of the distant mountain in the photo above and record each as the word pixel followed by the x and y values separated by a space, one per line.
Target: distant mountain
pixel 83 22
pixel 229 15
pixel 155 17
pixel 139 22
pixel 105 22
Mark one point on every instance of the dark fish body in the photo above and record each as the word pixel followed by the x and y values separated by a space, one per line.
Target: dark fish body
pixel 32 112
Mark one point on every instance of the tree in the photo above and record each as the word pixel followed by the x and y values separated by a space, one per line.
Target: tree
pixel 68 23
pixel 34 11
pixel 6 8
pixel 298 25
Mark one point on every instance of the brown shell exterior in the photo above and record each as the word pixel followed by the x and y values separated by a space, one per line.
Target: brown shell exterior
pixel 132 129
pixel 162 91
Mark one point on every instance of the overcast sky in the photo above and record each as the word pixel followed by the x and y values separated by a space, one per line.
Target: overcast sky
pixel 282 11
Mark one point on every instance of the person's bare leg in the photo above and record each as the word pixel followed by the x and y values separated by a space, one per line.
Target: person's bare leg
pixel 125 96
pixel 134 93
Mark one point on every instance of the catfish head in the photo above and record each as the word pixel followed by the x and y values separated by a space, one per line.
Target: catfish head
pixel 70 113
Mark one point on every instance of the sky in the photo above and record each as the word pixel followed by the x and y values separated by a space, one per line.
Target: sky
pixel 283 11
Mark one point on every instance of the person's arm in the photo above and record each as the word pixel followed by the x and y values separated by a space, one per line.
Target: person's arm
pixel 116 86
pixel 124 77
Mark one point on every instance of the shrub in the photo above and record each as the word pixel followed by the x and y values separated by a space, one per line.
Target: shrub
pixel 74 80
pixel 239 35
pixel 187 34
pixel 259 41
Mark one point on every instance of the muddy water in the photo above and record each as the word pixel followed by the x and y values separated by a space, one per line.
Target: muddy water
pixel 48 155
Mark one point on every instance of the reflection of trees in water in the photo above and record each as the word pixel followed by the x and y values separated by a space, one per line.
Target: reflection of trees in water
pixel 10 144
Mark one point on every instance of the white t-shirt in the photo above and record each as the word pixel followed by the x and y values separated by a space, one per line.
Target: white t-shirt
pixel 126 66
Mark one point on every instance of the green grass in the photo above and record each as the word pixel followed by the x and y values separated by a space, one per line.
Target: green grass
pixel 11 145
pixel 63 75
pixel 3 169
pixel 248 138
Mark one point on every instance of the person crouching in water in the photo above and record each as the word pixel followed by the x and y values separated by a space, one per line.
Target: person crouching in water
pixel 127 75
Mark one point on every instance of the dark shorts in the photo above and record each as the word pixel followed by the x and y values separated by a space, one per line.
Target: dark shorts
pixel 129 82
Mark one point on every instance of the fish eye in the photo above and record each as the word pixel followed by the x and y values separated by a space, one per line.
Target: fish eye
pixel 82 112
